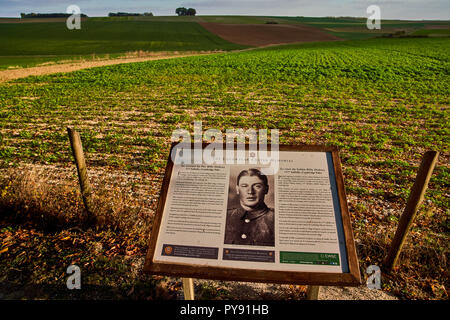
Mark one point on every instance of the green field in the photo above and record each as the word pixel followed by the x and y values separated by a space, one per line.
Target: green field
pixel 347 28
pixel 30 44
pixel 383 102
pixel 433 32
pixel 290 83
pixel 330 22
pixel 350 28
pixel 25 44
pixel 229 19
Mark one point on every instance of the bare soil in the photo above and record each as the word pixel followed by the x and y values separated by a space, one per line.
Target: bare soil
pixel 267 34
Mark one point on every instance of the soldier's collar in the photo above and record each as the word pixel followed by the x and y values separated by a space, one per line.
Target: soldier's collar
pixel 254 214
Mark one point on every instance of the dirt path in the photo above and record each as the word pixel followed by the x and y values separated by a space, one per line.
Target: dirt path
pixel 11 74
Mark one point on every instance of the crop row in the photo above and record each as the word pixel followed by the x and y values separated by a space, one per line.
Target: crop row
pixel 377 100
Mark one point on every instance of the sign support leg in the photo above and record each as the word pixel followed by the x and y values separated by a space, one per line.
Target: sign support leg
pixel 415 199
pixel 188 288
pixel 312 293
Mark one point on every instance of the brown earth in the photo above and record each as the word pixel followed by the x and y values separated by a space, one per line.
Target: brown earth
pixel 267 34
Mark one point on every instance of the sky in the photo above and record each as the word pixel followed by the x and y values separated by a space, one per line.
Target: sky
pixel 390 9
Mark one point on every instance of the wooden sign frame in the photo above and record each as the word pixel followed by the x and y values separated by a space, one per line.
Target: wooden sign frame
pixel 351 278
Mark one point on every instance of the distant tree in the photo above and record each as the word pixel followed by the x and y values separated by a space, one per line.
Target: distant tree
pixel 191 12
pixel 22 15
pixel 182 11
pixel 148 14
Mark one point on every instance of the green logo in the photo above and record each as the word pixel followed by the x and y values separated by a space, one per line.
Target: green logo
pixel 317 258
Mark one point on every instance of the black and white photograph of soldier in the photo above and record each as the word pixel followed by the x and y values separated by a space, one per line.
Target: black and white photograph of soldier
pixel 250 215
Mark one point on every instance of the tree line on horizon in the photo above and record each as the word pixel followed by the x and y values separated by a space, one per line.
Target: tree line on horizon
pixel 128 14
pixel 48 15
pixel 181 11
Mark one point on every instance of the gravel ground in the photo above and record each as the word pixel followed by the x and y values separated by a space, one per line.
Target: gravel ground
pixel 262 291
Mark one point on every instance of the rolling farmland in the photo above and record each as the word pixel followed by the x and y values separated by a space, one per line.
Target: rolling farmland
pixel 30 42
pixel 324 79
pixel 383 102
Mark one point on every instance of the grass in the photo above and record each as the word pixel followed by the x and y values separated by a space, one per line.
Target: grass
pixel 243 19
pixel 433 32
pixel 228 19
pixel 25 44
pixel 15 62
pixel 107 37
pixel 382 101
pixel 330 22
pixel 350 28
pixel 349 35
pixel 48 222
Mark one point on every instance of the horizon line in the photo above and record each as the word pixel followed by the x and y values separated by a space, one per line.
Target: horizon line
pixel 235 15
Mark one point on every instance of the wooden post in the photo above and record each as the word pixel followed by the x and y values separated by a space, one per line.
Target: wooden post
pixel 85 186
pixel 415 199
pixel 312 292
pixel 188 288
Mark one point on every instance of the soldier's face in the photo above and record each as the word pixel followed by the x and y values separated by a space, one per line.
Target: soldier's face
pixel 251 190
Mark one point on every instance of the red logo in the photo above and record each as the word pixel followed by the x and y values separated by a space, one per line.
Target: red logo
pixel 168 250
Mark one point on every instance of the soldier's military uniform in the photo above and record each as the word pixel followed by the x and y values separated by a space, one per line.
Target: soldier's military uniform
pixel 254 227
